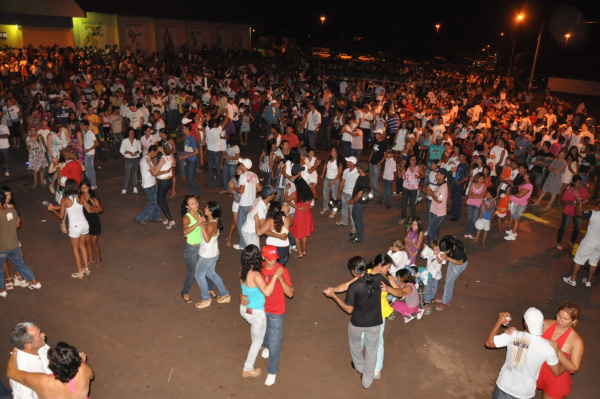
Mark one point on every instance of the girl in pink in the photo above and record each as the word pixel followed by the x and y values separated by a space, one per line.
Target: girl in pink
pixel 475 196
pixel 410 306
pixel 518 203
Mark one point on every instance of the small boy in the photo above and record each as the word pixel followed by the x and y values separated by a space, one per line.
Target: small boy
pixel 434 266
pixel 389 171
pixel 485 215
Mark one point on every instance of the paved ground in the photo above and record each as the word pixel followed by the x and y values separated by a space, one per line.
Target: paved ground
pixel 144 342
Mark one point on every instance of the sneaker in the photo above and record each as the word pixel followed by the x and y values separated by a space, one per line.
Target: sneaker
pixel 510 237
pixel 237 247
pixel 135 191
pixel 123 191
pixel 420 313
pixel 569 281
pixel 408 319
pixel 293 248
pixel 509 232
pixel 558 246
pixel 35 286
pixel 265 353
pixel 270 379
pixel 3 294
pixel 587 283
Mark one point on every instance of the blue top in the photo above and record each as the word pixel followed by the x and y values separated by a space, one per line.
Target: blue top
pixel 487 215
pixel 256 299
pixel 190 144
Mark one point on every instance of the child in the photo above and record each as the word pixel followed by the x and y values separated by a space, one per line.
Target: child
pixel 399 257
pixel 485 215
pixel 410 305
pixel 434 266
pixel 388 179
pixel 502 211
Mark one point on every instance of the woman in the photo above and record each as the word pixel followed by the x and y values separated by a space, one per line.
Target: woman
pixel 518 203
pixel 164 176
pixel 77 140
pixel 235 179
pixel 70 378
pixel 475 195
pixel 266 160
pixel 37 157
pixel 331 175
pixel 554 180
pixel 336 127
pixel 453 251
pixel 572 160
pixel 411 176
pixel 72 205
pixel 276 227
pixel 230 164
pixel 348 127
pixel 166 138
pixel 303 219
pixel 54 145
pixel 310 174
pixel 91 210
pixel 247 121
pixel 414 239
pixel 255 289
pixel 211 226
pixel 568 344
pixel 19 281
pixel 574 193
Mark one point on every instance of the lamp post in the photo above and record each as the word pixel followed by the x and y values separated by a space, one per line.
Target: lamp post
pixel 437 29
pixel 322 20
pixel 520 18
pixel 535 57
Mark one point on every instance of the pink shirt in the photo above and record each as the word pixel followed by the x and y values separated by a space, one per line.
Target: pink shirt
pixel 569 199
pixel 523 199
pixel 441 193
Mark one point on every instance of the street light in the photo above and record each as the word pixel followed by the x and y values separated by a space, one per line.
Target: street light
pixel 437 29
pixel 322 20
pixel 567 36
pixel 520 18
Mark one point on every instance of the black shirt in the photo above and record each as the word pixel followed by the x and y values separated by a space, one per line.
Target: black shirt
pixel 367 310
pixel 379 149
pixel 542 156
pixel 458 254
pixel 362 183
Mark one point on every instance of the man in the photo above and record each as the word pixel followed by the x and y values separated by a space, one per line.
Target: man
pixel 259 209
pixel 313 124
pixel 365 123
pixel 89 149
pixel 152 211
pixel 541 161
pixel 4 144
pixel 31 357
pixel 290 137
pixel 9 246
pixel 271 114
pixel 377 158
pixel 522 144
pixel 349 177
pixel 117 125
pixel 190 156
pixel 461 177
pixel 12 119
pixel 135 118
pixel 589 249
pixel 214 152
pixel 326 119
pixel 274 310
pixel 526 352
pixel 358 206
pixel 248 182
pixel 148 138
pixel 131 150
pixel 63 112
pixel 437 208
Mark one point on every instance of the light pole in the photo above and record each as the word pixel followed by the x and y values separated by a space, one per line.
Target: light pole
pixel 567 36
pixel 520 18
pixel 322 20
pixel 537 49
pixel 437 29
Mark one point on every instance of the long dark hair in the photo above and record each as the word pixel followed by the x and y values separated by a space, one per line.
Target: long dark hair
pixel 380 259
pixel 276 214
pixel 451 243
pixel 184 205
pixel 71 188
pixel 215 211
pixel 4 190
pixel 405 276
pixel 358 266
pixel 86 182
pixel 251 260
pixel 303 191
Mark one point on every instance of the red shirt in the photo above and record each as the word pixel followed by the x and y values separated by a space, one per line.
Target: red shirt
pixel 292 139
pixel 275 304
pixel 72 170
pixel 569 199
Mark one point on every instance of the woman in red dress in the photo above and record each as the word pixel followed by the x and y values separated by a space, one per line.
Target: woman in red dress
pixel 568 346
pixel 301 200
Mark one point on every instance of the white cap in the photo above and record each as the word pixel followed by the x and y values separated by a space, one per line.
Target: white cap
pixel 351 159
pixel 535 321
pixel 246 162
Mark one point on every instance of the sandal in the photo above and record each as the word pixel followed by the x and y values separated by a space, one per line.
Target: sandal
pixel 64 229
pixel 86 271
pixel 99 262
pixel 227 242
pixel 9 284
pixel 77 275
pixel 323 211
pixel 440 306
pixel 298 256
pixel 254 373
pixel 224 299
pixel 436 300
pixel 214 294
pixel 188 300
pixel 332 215
pixel 203 304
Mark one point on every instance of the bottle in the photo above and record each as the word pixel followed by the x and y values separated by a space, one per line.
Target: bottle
pixel 508 319
pixel 574 250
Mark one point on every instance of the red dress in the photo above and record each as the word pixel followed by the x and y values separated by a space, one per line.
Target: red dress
pixel 303 220
pixel 555 387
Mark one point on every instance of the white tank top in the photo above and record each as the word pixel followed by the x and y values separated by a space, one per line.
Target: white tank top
pixel 166 166
pixel 75 213
pixel 210 249
pixel 279 242
pixel 332 169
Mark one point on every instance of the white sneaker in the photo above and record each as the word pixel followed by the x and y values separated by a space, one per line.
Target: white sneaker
pixel 123 191
pixel 587 283
pixel 420 313
pixel 270 379
pixel 237 247
pixel 135 191
pixel 265 353
pixel 510 237
pixel 3 294
pixel 569 281
pixel 35 286
pixel 509 232
pixel 408 319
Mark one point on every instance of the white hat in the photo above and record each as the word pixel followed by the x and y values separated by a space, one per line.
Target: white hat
pixel 272 102
pixel 351 159
pixel 185 121
pixel 535 321
pixel 246 162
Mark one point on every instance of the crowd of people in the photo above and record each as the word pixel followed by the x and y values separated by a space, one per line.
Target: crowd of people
pixel 447 136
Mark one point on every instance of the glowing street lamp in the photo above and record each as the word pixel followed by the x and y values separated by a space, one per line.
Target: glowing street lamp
pixel 520 17
pixel 437 28
pixel 567 36
pixel 322 20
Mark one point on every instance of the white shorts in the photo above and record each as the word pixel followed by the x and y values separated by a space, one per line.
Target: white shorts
pixel 77 231
pixel 235 206
pixel 486 224
pixel 588 251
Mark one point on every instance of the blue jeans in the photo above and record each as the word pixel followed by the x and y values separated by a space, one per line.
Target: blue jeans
pixel 326 189
pixel 430 290
pixel 357 215
pixel 152 210
pixel 472 216
pixel 500 394
pixel 374 172
pixel 4 155
pixel 190 254
pixel 355 152
pixel 229 171
pixel 272 340
pixel 181 164
pixel 131 170
pixel 116 144
pixel 345 209
pixel 311 136
pixel 205 269
pixel 214 164
pixel 242 215
pixel 566 219
pixel 457 191
pixel 284 255
pixel 452 273
pixel 90 172
pixel 433 227
pixel 386 195
pixel 190 171
pixel 346 148
pixel 14 255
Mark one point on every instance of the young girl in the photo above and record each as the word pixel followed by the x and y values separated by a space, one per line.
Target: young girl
pixel 414 239
pixel 434 267
pixel 502 211
pixel 398 254
pixel 247 120
pixel 19 281
pixel 91 209
pixel 475 196
pixel 410 305
pixel 485 215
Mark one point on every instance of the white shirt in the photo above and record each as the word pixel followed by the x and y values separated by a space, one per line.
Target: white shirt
pixel 135 118
pixel 350 178
pixel 213 139
pixel 258 208
pixel 44 133
pixel 127 145
pixel 146 142
pixel 389 169
pixel 31 364
pixel 250 181
pixel 88 142
pixel 147 179
pixel 314 120
pixel 4 143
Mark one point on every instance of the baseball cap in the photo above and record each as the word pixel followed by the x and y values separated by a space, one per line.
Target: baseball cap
pixel 535 321
pixel 267 190
pixel 297 169
pixel 246 162
pixel 270 252
pixel 351 159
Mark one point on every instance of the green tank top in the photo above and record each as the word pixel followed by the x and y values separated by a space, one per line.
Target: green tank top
pixel 195 237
